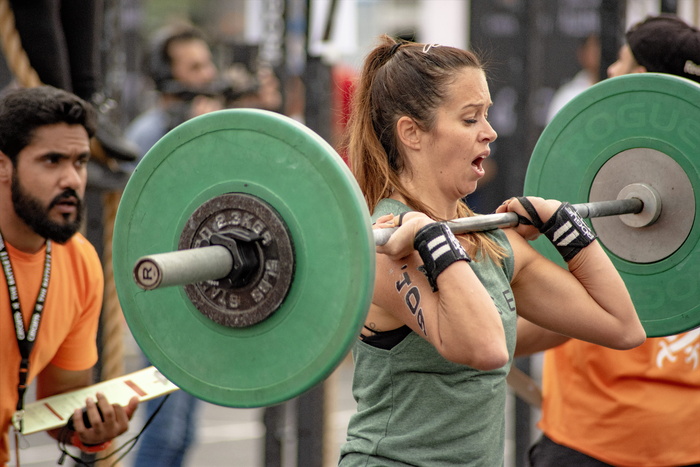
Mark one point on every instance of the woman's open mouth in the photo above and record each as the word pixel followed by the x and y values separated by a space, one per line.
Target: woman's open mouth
pixel 478 165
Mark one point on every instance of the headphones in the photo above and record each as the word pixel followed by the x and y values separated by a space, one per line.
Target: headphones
pixel 159 62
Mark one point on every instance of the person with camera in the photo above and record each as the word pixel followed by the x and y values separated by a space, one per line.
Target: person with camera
pixel 186 79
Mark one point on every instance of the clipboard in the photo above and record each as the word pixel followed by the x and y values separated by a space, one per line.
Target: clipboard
pixel 55 411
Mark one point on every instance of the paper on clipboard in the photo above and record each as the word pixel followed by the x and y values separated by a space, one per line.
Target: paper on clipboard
pixel 53 412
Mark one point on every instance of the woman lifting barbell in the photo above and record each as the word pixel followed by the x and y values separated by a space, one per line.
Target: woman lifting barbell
pixel 438 340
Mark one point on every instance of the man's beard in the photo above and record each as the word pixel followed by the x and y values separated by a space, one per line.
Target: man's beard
pixel 31 211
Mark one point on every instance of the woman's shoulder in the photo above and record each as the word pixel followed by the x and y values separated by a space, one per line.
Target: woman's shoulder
pixel 388 206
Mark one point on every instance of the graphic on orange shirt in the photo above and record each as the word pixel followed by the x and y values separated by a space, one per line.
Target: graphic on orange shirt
pixel 685 346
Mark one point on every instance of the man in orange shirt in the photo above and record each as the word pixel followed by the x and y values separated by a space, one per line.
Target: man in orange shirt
pixel 52 294
pixel 635 408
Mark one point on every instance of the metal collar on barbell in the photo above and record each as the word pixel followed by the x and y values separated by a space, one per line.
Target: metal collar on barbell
pixel 651 205
pixel 262 252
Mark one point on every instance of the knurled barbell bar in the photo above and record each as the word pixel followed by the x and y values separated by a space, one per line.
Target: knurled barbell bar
pixel 219 262
pixel 288 251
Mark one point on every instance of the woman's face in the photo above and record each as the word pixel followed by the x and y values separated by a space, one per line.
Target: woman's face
pixel 458 143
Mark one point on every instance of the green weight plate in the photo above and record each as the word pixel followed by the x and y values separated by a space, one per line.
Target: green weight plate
pixel 619 117
pixel 296 173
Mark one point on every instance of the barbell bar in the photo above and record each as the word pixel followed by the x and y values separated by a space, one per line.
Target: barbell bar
pixel 510 219
pixel 214 262
pixel 274 328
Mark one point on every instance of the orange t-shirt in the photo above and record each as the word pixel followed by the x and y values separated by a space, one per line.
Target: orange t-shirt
pixel 633 408
pixel 68 329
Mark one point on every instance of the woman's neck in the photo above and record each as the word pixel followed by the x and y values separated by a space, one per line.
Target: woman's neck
pixel 440 209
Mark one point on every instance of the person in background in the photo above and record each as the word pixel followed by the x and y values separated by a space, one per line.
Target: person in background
pixel 51 301
pixel 189 84
pixel 588 56
pixel 641 407
pixel 186 79
pixel 432 358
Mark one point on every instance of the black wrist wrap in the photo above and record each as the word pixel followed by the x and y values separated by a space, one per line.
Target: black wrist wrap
pixel 567 231
pixel 438 248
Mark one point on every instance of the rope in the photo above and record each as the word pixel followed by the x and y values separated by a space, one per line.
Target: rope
pixel 16 57
pixel 112 316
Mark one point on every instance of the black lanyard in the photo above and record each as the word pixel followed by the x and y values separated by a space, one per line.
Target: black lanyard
pixel 25 339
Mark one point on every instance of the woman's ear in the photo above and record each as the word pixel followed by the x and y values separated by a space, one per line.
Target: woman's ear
pixel 408 132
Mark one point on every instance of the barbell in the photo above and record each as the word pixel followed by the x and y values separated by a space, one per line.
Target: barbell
pixel 244 254
pixel 237 258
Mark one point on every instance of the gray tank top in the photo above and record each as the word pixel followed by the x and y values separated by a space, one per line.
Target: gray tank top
pixel 416 408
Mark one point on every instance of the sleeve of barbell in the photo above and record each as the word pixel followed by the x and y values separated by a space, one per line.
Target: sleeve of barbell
pixel 610 208
pixel 510 219
pixel 183 267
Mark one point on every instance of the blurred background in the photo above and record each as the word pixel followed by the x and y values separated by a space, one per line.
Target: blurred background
pixel 314 49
